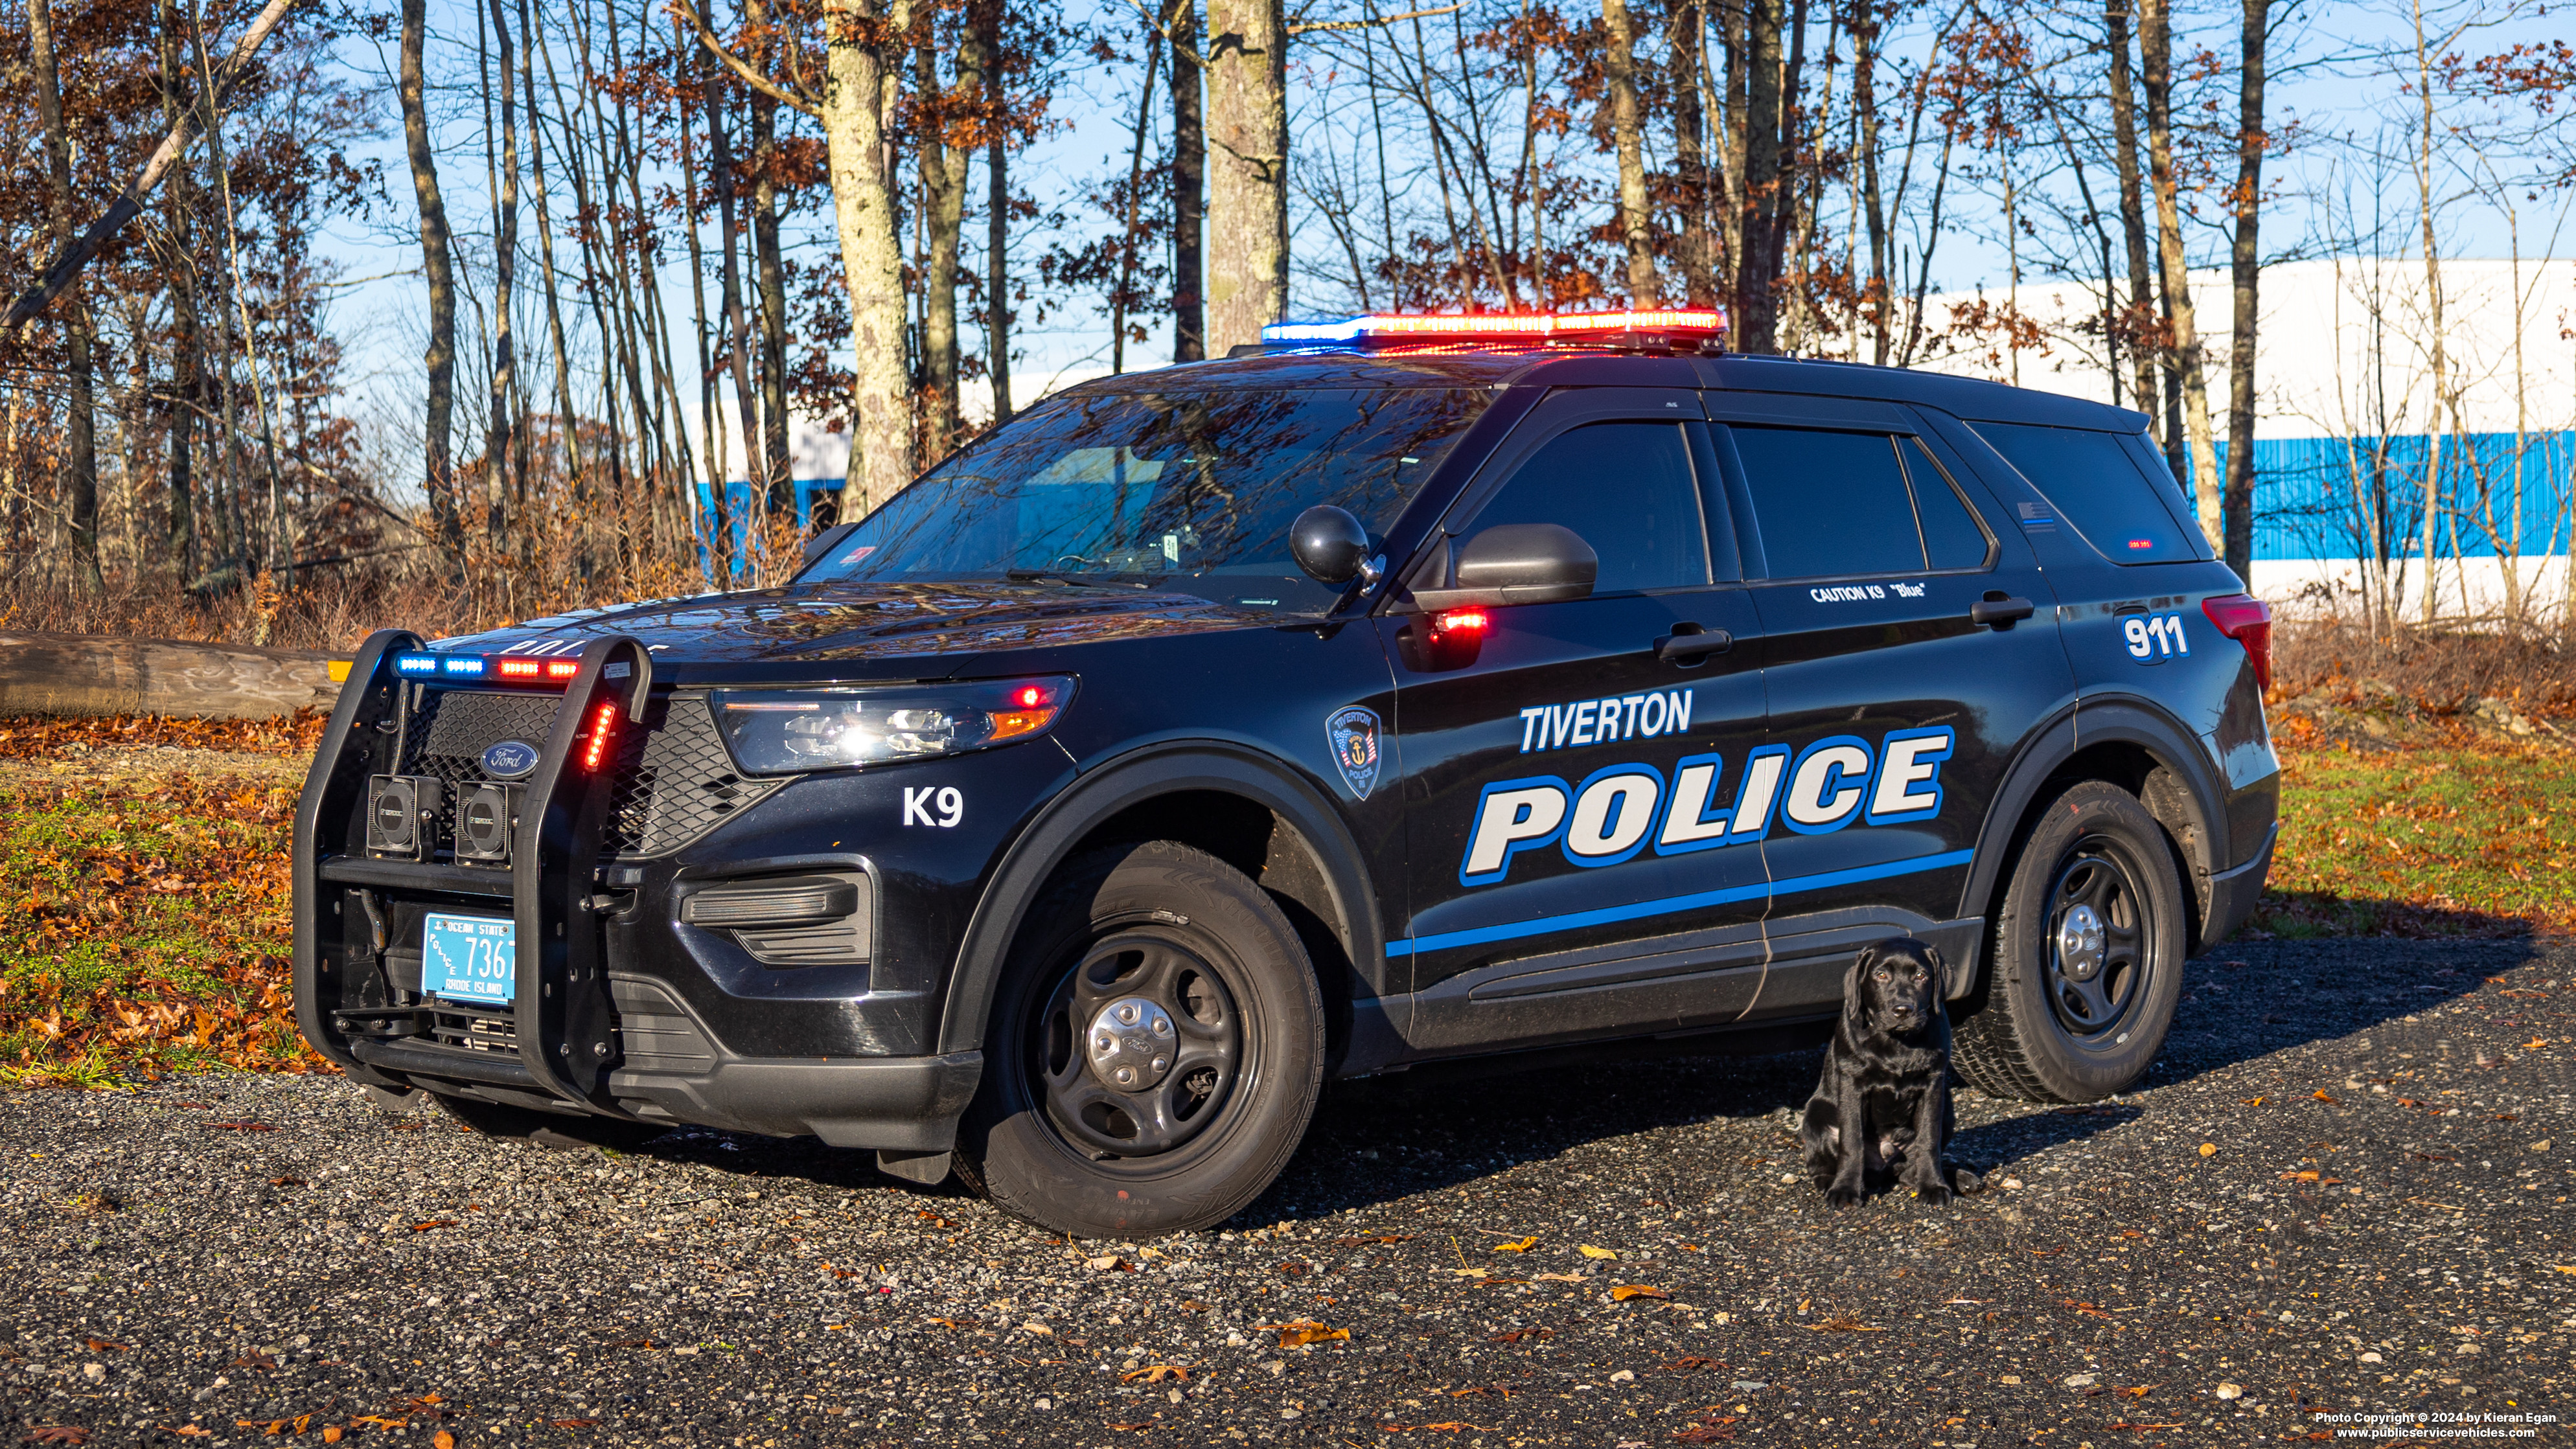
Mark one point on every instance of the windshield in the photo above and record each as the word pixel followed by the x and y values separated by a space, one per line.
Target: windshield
pixel 1180 490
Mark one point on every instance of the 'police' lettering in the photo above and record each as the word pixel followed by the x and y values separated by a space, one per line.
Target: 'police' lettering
pixel 1621 809
pixel 1511 817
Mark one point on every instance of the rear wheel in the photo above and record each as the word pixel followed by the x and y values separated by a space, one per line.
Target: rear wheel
pixel 547 1129
pixel 1154 1054
pixel 2088 955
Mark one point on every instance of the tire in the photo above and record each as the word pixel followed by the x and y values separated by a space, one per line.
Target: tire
pixel 1163 944
pixel 560 1131
pixel 2073 1014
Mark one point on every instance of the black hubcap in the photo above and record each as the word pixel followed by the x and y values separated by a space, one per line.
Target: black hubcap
pixel 1138 1049
pixel 2099 938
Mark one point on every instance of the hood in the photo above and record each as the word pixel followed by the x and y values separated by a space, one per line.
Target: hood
pixel 906 630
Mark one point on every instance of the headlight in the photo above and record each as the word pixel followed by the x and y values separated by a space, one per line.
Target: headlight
pixel 790 731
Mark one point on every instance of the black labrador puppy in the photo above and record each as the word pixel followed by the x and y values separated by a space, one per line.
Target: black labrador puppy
pixel 1885 1095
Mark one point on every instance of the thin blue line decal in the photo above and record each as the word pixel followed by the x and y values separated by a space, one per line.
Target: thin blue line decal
pixel 1670 904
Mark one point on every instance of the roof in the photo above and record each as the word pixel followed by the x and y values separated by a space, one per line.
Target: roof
pixel 1962 397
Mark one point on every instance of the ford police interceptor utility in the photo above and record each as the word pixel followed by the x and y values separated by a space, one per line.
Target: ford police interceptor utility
pixel 1403 689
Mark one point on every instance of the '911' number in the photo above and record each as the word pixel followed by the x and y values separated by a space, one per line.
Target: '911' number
pixel 2154 638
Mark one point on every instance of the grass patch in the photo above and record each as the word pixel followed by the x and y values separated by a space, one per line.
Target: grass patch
pixel 145 928
pixel 2451 836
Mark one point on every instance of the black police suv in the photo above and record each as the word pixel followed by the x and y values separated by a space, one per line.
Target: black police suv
pixel 1391 695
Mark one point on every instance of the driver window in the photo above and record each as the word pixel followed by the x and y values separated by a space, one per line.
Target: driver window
pixel 1628 490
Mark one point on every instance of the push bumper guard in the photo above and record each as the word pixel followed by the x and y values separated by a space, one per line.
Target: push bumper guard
pixel 567 1055
pixel 565 1026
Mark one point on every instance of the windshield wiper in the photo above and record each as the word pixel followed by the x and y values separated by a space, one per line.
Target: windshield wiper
pixel 1059 576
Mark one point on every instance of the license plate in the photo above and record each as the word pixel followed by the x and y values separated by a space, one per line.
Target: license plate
pixel 470 958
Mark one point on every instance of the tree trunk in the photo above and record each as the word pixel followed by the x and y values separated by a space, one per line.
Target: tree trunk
pixel 1875 296
pixel 438 480
pixel 986 22
pixel 81 433
pixel 943 215
pixel 1636 211
pixel 499 434
pixel 1756 309
pixel 2440 349
pixel 777 479
pixel 2133 207
pixel 1247 134
pixel 566 422
pixel 2247 259
pixel 736 327
pixel 186 388
pixel 863 74
pixel 1118 298
pixel 1189 184
pixel 1690 154
pixel 2156 47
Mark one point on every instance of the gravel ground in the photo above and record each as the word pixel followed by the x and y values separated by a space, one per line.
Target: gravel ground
pixel 2342 1191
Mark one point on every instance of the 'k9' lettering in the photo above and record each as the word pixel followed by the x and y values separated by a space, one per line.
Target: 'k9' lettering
pixel 1620 810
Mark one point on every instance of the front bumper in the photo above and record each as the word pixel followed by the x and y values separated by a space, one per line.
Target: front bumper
pixel 615 1013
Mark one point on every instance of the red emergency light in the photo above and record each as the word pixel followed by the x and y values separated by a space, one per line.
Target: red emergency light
pixel 1658 329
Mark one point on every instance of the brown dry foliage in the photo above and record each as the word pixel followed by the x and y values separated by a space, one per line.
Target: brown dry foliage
pixel 2439 670
pixel 51 737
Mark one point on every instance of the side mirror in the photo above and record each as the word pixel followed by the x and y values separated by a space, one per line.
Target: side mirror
pixel 1517 563
pixel 822 543
pixel 1330 544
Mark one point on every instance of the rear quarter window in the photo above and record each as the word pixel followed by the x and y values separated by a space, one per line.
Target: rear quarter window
pixel 2130 513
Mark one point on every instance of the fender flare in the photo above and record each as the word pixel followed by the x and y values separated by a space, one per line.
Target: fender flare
pixel 2117 719
pixel 1100 794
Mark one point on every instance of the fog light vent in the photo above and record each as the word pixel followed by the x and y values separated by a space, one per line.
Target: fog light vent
pixel 788 921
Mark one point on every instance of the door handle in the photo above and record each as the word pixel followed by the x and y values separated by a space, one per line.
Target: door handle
pixel 1691 642
pixel 1998 609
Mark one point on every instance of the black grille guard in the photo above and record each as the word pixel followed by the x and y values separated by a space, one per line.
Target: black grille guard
pixel 564 1022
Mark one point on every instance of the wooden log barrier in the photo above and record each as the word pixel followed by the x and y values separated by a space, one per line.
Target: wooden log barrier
pixel 113 674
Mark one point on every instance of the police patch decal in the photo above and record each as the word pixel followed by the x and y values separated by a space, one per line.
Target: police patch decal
pixel 1357 750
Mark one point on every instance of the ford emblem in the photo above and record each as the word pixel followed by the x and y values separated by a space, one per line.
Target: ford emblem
pixel 509 760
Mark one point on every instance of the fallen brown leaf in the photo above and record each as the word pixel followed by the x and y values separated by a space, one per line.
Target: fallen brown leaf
pixel 433 1223
pixel 1156 1373
pixel 100 1345
pixel 576 1423
pixel 1305 1331
pixel 58 1434
pixel 1714 1432
pixel 1515 1335
pixel 1192 1305
pixel 1626 1291
pixel 331 1434
pixel 444 1440
pixel 2139 1392
pixel 1690 1361
pixel 1517 1245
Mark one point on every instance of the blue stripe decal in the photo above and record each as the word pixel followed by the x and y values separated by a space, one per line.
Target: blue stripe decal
pixel 1670 904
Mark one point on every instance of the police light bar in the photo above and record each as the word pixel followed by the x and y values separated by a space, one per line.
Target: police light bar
pixel 1681 329
pixel 477 666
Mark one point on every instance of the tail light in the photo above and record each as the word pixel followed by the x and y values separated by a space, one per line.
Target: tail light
pixel 2248 621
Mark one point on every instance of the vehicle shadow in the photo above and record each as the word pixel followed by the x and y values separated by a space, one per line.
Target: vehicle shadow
pixel 1445 1125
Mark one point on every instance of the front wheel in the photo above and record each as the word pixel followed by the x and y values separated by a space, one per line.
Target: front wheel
pixel 2088 955
pixel 1154 1054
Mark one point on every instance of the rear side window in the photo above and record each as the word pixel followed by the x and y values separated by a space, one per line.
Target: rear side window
pixel 2131 515
pixel 1628 490
pixel 1830 504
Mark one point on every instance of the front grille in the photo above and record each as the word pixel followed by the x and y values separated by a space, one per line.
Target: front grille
pixel 674 781
pixel 474 1028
